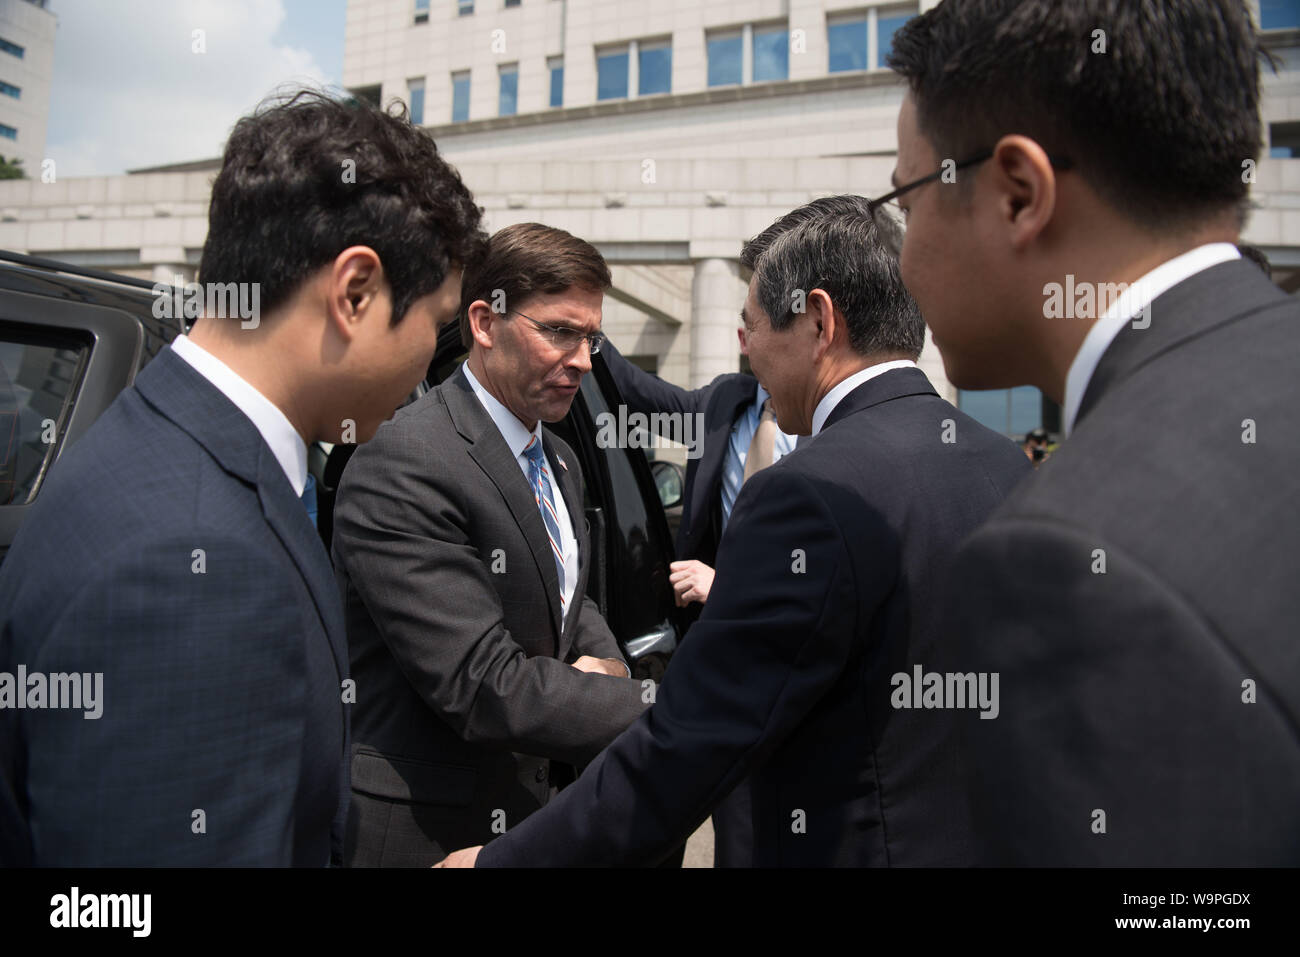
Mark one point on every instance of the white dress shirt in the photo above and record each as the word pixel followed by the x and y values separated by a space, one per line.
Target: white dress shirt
pixel 742 434
pixel 277 431
pixel 1134 299
pixel 833 398
pixel 517 438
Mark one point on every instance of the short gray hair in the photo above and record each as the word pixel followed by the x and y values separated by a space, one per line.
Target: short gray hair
pixel 837 249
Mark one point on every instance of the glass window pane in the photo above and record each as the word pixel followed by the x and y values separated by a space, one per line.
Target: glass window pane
pixel 655 68
pixel 771 55
pixel 557 86
pixel 611 76
pixel 987 408
pixel 848 45
pixel 1279 14
pixel 1026 410
pixel 885 28
pixel 415 90
pixel 509 91
pixel 460 98
pixel 725 60
pixel 36 382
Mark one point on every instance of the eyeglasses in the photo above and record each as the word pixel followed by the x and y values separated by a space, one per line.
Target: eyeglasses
pixel 887 215
pixel 565 338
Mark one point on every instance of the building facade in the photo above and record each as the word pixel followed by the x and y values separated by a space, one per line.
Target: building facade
pixel 26 67
pixel 666 134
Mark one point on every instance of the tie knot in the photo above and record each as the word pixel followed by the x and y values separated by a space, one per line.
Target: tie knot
pixel 533 451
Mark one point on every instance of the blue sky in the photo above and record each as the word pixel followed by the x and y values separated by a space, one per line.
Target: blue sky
pixel 130 91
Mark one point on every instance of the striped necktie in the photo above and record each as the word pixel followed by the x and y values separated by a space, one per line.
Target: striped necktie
pixel 540 480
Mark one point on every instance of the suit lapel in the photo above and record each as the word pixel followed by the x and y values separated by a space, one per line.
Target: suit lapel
pixel 1184 312
pixel 724 407
pixel 490 452
pixel 179 393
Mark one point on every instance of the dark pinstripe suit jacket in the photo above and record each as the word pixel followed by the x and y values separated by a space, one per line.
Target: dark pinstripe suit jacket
pixel 168 551
pixel 453 612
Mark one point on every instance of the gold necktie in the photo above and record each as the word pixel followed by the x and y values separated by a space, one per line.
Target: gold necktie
pixel 762 448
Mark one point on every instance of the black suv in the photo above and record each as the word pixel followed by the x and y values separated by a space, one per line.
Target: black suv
pixel 71 339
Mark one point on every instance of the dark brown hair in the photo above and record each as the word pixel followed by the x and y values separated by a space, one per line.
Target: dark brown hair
pixel 528 259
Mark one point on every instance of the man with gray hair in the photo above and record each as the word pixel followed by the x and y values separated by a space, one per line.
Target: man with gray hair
pixel 809 660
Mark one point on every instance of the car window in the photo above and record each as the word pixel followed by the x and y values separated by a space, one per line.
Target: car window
pixel 38 378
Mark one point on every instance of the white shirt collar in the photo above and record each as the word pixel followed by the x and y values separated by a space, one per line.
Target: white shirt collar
pixel 276 430
pixel 833 398
pixel 1133 300
pixel 512 430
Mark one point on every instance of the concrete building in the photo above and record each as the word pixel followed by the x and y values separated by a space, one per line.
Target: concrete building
pixel 26 67
pixel 666 134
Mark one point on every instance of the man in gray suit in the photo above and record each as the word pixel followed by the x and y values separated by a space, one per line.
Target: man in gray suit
pixel 1138 595
pixel 462 553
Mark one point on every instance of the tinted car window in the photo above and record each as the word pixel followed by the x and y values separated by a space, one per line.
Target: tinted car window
pixel 38 378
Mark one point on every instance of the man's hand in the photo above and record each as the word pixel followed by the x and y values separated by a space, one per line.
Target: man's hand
pixel 691 581
pixel 465 858
pixel 602 666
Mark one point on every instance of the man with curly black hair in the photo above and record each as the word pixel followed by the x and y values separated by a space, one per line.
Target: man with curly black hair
pixel 169 554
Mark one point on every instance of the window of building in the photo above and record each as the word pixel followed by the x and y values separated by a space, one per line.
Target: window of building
pixel 725 54
pixel 1283 140
pixel 556 65
pixel 887 23
pixel 8 89
pixel 771 53
pixel 509 89
pixel 852 36
pixel 655 68
pixel 464 7
pixel 415 96
pixel 460 97
pixel 1279 14
pixel 12 49
pixel 421 11
pixel 611 74
pixel 847 38
pixel 8 132
pixel 512 3
pixel 1013 412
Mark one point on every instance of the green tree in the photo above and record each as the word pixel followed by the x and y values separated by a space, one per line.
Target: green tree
pixel 12 169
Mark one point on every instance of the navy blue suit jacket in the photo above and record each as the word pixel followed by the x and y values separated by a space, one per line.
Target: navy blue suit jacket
pixel 827 581
pixel 722 401
pixel 168 551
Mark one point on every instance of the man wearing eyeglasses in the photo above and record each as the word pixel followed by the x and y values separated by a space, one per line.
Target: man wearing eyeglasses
pixel 463 556
pixel 1138 597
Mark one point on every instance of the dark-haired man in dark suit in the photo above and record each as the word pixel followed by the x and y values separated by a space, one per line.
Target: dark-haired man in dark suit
pixel 828 576
pixel 1138 595
pixel 169 554
pixel 463 555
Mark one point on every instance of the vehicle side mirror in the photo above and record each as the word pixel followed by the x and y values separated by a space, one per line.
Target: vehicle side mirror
pixel 670 482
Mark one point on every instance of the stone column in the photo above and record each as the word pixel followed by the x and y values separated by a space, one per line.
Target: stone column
pixel 717 295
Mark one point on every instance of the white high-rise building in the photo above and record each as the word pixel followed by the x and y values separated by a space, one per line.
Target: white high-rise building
pixel 26 67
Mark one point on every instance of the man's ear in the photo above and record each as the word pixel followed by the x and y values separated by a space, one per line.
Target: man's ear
pixel 1025 185
pixel 482 323
pixel 356 290
pixel 824 324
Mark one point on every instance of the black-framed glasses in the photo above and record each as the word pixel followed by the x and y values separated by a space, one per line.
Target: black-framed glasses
pixel 887 215
pixel 566 338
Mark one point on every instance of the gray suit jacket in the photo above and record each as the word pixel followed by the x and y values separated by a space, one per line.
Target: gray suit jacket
pixel 453 615
pixel 1139 599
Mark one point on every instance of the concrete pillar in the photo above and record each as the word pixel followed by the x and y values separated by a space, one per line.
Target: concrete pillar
pixel 717 295
pixel 747 54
